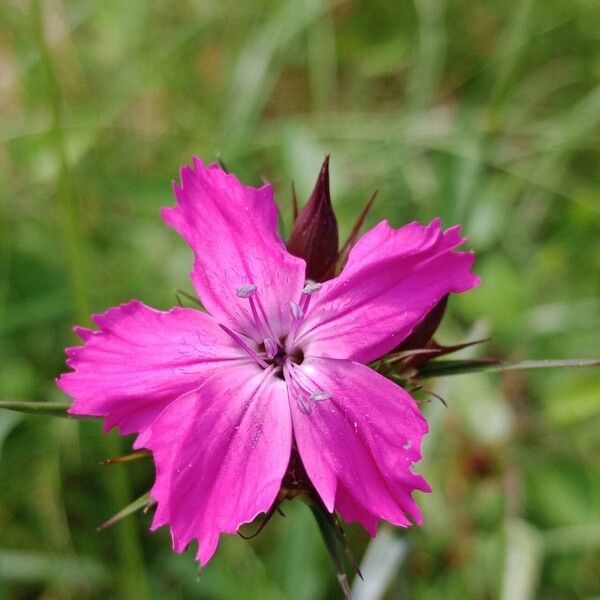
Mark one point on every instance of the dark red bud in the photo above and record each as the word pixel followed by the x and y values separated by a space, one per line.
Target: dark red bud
pixel 314 236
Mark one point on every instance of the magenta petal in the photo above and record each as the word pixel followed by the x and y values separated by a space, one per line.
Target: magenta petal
pixel 232 229
pixel 354 511
pixel 140 360
pixel 392 279
pixel 220 453
pixel 358 446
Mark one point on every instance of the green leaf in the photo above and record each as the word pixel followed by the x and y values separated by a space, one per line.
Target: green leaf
pixel 47 409
pixel 141 502
pixel 458 367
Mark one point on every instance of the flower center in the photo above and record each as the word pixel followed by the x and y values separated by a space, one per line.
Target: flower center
pixel 275 355
pixel 281 356
pixel 274 351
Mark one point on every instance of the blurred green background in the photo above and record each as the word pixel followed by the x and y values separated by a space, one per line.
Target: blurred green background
pixel 485 113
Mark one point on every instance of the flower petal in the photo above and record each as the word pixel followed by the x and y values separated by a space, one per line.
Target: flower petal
pixel 392 279
pixel 140 360
pixel 358 446
pixel 232 229
pixel 221 452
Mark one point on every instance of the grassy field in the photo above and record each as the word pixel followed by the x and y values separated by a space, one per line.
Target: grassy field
pixel 483 113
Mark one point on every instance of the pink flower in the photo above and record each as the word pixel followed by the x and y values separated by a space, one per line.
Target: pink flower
pixel 278 363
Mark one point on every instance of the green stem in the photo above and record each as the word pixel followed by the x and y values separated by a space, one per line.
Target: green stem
pixel 71 231
pixel 335 543
pixel 443 368
pixel 47 409
pixel 131 569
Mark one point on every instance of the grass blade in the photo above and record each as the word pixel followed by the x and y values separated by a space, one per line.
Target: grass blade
pixel 46 409
pixel 17 566
pixel 125 458
pixel 134 506
pixel 524 556
pixel 380 564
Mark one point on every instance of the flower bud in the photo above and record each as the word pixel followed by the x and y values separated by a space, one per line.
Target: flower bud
pixel 314 236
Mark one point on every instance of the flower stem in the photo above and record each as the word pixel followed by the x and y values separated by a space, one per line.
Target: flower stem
pixel 336 543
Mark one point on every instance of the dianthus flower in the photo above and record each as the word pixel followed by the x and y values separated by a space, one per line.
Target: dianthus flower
pixel 274 373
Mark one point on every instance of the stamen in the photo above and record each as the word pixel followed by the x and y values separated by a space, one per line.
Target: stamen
pixel 271 348
pixel 262 325
pixel 300 379
pixel 310 287
pixel 302 388
pixel 303 404
pixel 297 312
pixel 238 340
pixel 265 320
pixel 245 291
pixel 257 321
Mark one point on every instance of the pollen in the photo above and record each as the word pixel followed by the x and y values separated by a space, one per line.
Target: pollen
pixel 245 291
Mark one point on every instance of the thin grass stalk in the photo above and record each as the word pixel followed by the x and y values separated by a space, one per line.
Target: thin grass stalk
pixel 129 558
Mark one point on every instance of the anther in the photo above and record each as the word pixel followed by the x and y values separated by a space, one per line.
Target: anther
pixel 270 348
pixel 297 312
pixel 304 404
pixel 245 291
pixel 248 291
pixel 310 287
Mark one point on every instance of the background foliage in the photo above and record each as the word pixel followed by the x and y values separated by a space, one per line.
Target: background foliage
pixel 485 113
